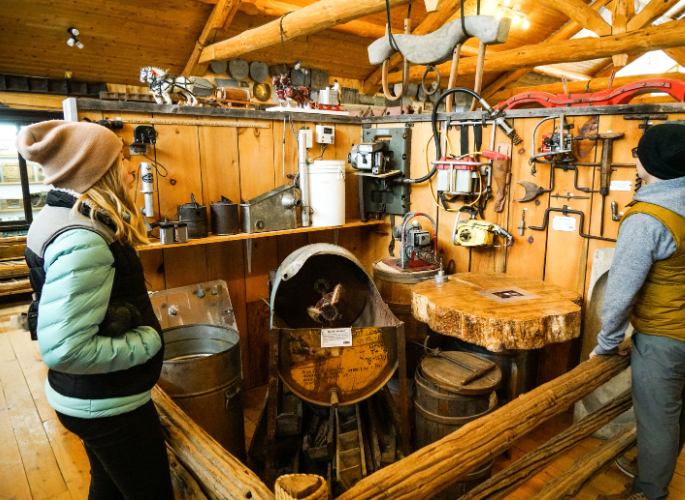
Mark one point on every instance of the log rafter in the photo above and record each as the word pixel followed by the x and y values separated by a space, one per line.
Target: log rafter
pixel 308 20
pixel 664 36
pixel 583 14
pixel 221 17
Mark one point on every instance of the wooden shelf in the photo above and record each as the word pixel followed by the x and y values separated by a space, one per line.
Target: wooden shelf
pixel 248 236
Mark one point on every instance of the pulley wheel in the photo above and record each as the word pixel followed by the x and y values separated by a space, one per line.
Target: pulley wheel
pixel 319 275
pixel 239 68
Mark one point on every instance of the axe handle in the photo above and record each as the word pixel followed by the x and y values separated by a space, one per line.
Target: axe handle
pixel 502 176
pixel 480 64
pixel 453 76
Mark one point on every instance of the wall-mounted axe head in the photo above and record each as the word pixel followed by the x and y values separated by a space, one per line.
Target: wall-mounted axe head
pixel 532 191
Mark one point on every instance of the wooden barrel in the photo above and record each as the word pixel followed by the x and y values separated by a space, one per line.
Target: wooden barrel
pixel 441 409
pixel 395 288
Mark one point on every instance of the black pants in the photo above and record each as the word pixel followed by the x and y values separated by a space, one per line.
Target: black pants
pixel 127 454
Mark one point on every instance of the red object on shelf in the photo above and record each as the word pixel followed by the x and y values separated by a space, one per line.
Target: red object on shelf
pixel 621 95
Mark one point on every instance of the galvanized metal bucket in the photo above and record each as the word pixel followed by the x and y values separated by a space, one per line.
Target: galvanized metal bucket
pixel 203 376
pixel 196 216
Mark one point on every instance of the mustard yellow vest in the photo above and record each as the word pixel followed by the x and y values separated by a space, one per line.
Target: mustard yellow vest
pixel 660 306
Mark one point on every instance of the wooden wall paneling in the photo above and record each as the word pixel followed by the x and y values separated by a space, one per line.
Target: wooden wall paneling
pixel 257 172
pixel 347 136
pixel 185 265
pixel 264 259
pixel 153 267
pixel 288 243
pixel 226 261
pixel 178 149
pixel 566 260
pixel 219 163
pixel 489 260
pixel 258 175
pixel 527 256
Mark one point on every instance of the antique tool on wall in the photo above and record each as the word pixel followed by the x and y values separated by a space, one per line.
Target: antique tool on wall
pixel 566 211
pixel 383 164
pixel 147 180
pixel 274 210
pixel 224 217
pixel 501 173
pixel 171 232
pixel 615 216
pixel 478 233
pixel 557 147
pixel 195 215
pixel 621 95
pixel 143 135
pixel 522 224
pixel 418 251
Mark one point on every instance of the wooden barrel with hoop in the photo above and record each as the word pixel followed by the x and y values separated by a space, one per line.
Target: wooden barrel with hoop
pixel 395 288
pixel 452 389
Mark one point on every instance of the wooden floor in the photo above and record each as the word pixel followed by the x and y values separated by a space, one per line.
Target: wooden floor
pixel 41 460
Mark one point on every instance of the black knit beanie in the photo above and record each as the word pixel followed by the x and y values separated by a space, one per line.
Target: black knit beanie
pixel 662 151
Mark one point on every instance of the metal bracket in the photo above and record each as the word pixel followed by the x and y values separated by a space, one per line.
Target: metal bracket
pixel 248 253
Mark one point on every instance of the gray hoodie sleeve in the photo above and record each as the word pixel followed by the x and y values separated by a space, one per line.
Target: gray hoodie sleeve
pixel 641 241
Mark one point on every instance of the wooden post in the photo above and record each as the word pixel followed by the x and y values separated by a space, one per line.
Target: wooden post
pixel 431 469
pixel 505 482
pixel 220 473
pixel 308 20
pixel 185 486
pixel 623 10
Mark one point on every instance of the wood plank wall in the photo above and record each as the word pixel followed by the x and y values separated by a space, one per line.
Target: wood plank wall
pixel 239 164
pixel 559 257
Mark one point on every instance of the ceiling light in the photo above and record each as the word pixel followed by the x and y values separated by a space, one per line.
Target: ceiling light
pixel 526 24
pixel 71 42
pixel 72 39
pixel 80 45
pixel 73 32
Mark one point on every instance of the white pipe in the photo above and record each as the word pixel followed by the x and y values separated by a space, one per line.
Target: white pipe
pixel 147 188
pixel 304 176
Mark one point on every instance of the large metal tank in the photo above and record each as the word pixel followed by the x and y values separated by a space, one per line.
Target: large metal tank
pixel 202 374
pixel 304 289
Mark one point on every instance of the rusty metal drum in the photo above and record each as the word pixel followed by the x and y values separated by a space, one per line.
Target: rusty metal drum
pixel 321 291
pixel 202 374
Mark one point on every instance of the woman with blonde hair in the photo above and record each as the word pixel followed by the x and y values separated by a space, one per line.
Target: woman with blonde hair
pixel 96 328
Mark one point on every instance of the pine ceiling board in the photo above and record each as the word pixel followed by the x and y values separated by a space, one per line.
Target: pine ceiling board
pixel 119 37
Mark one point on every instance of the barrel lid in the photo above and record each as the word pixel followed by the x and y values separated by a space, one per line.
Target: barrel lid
pixel 461 372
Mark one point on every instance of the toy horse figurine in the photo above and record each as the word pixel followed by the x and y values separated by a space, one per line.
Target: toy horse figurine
pixel 162 85
pixel 286 92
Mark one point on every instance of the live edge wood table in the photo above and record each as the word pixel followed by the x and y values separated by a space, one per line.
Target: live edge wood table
pixel 499 312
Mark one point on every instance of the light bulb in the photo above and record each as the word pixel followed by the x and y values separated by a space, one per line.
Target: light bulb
pixel 71 41
pixel 80 45
pixel 526 24
pixel 73 31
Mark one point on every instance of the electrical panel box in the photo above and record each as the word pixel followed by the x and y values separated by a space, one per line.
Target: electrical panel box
pixel 387 195
pixel 325 134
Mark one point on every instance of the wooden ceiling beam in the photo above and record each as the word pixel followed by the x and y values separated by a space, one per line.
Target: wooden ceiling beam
pixel 677 54
pixel 664 36
pixel 430 23
pixel 568 31
pixel 622 12
pixel 308 20
pixel 594 85
pixel 221 16
pixel 583 14
pixel 275 8
pixel 650 13
pixel 559 72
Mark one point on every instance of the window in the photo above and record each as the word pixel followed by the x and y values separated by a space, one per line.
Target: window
pixel 22 192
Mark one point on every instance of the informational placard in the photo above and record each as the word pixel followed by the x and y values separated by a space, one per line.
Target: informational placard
pixel 336 337
pixel 621 186
pixel 560 223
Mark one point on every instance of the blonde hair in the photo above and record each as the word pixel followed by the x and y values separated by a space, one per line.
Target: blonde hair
pixel 108 196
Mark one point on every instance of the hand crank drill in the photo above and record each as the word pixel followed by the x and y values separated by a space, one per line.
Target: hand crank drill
pixel 605 167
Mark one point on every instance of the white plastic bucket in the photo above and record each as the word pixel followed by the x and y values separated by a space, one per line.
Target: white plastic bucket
pixel 327 192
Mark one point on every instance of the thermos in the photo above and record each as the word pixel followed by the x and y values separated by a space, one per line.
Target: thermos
pixel 195 215
pixel 224 217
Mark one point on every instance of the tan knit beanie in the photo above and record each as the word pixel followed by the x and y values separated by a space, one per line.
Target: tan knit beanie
pixel 73 155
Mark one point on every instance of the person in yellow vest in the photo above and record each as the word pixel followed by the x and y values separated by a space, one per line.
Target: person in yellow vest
pixel 646 287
